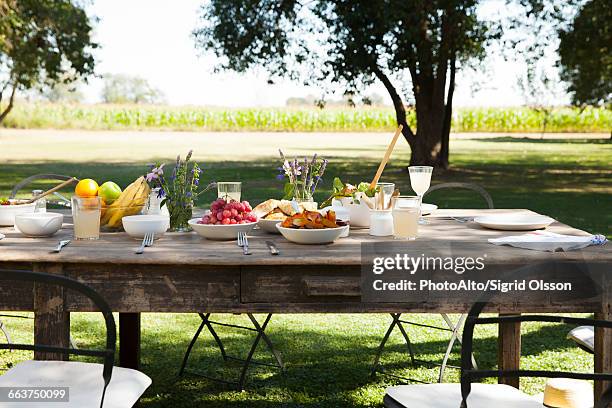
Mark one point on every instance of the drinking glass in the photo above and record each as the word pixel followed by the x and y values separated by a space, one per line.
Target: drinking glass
pixel 420 179
pixel 229 190
pixel 86 217
pixel 382 198
pixel 406 211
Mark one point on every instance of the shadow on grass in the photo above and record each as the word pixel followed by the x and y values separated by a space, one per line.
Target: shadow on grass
pixel 323 368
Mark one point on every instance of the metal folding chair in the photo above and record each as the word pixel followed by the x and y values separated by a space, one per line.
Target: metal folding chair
pixel 119 384
pixel 453 327
pixel 61 201
pixel 246 363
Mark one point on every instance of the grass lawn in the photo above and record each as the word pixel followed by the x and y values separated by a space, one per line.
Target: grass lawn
pixel 327 356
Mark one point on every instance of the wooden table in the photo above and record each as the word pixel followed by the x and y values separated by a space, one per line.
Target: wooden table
pixel 185 273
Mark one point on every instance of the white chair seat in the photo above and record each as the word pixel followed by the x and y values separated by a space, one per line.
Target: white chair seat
pixel 449 396
pixel 584 336
pixel 83 379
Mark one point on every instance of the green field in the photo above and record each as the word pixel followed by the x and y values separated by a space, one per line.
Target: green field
pixel 362 119
pixel 327 356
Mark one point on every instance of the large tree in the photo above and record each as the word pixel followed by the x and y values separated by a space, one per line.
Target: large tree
pixel 360 41
pixel 42 42
pixel 355 42
pixel 120 88
pixel 586 54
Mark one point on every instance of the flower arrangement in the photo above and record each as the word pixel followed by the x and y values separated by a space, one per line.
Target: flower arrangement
pixel 302 177
pixel 179 191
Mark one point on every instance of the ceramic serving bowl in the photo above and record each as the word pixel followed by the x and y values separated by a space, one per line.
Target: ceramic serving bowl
pixel 311 236
pixel 41 224
pixel 359 214
pixel 136 226
pixel 8 212
pixel 268 226
pixel 220 232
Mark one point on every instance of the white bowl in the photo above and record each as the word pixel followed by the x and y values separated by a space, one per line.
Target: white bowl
pixel 136 226
pixel 39 224
pixel 359 214
pixel 8 212
pixel 269 226
pixel 220 232
pixel 312 236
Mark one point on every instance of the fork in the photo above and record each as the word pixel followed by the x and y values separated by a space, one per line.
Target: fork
pixel 147 241
pixel 243 242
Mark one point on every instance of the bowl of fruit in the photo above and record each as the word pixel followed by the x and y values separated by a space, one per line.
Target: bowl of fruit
pixel 225 220
pixel 117 204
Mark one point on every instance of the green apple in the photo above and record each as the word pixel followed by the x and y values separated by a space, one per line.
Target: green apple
pixel 109 192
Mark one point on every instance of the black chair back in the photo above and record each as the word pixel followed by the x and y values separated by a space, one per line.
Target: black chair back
pixel 108 354
pixel 468 373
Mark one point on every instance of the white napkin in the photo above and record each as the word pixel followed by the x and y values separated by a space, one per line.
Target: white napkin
pixel 549 241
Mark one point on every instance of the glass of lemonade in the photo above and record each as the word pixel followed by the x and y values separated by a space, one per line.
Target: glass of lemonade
pixel 229 190
pixel 420 179
pixel 406 211
pixel 86 217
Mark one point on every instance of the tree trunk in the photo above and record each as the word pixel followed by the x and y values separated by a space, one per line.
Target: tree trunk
pixel 10 104
pixel 428 144
pixel 398 104
pixel 448 114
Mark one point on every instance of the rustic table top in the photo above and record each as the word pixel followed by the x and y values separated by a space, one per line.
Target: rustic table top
pixel 190 249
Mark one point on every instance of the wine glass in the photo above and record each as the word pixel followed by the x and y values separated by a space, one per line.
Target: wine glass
pixel 420 179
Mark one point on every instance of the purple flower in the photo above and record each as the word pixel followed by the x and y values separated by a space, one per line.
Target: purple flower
pixel 155 173
pixel 188 194
pixel 161 193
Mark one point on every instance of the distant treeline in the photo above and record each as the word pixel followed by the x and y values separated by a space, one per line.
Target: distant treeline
pixel 360 119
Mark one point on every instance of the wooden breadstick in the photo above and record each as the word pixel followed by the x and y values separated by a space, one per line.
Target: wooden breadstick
pixel 385 159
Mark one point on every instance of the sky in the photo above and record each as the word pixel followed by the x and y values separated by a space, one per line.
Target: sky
pixel 152 39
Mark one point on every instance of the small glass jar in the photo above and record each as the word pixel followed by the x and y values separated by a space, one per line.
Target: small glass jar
pixel 41 203
pixel 381 223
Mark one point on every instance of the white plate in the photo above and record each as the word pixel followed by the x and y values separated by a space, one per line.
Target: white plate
pixel 269 225
pixel 312 236
pixel 427 209
pixel 514 222
pixel 220 232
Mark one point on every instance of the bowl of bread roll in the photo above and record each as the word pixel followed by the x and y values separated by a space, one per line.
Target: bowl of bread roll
pixel 272 212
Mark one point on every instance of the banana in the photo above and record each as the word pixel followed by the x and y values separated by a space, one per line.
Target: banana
pixel 130 202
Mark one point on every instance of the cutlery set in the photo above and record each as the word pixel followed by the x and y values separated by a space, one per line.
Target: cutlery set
pixel 243 242
pixel 147 241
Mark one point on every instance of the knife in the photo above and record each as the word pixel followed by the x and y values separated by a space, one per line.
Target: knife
pixel 272 248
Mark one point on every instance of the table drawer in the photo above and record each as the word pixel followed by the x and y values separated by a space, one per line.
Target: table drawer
pixel 288 284
pixel 143 288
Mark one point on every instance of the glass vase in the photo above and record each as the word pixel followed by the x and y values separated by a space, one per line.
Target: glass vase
pixel 179 217
pixel 306 201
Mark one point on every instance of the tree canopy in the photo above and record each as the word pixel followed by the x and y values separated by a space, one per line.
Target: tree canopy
pixel 358 42
pixel 120 88
pixel 42 42
pixel 586 54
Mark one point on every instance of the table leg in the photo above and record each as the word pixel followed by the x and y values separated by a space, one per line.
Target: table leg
pixel 603 352
pixel 509 350
pixel 129 340
pixel 51 321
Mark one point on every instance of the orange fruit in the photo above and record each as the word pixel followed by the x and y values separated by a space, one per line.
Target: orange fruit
pixel 86 188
